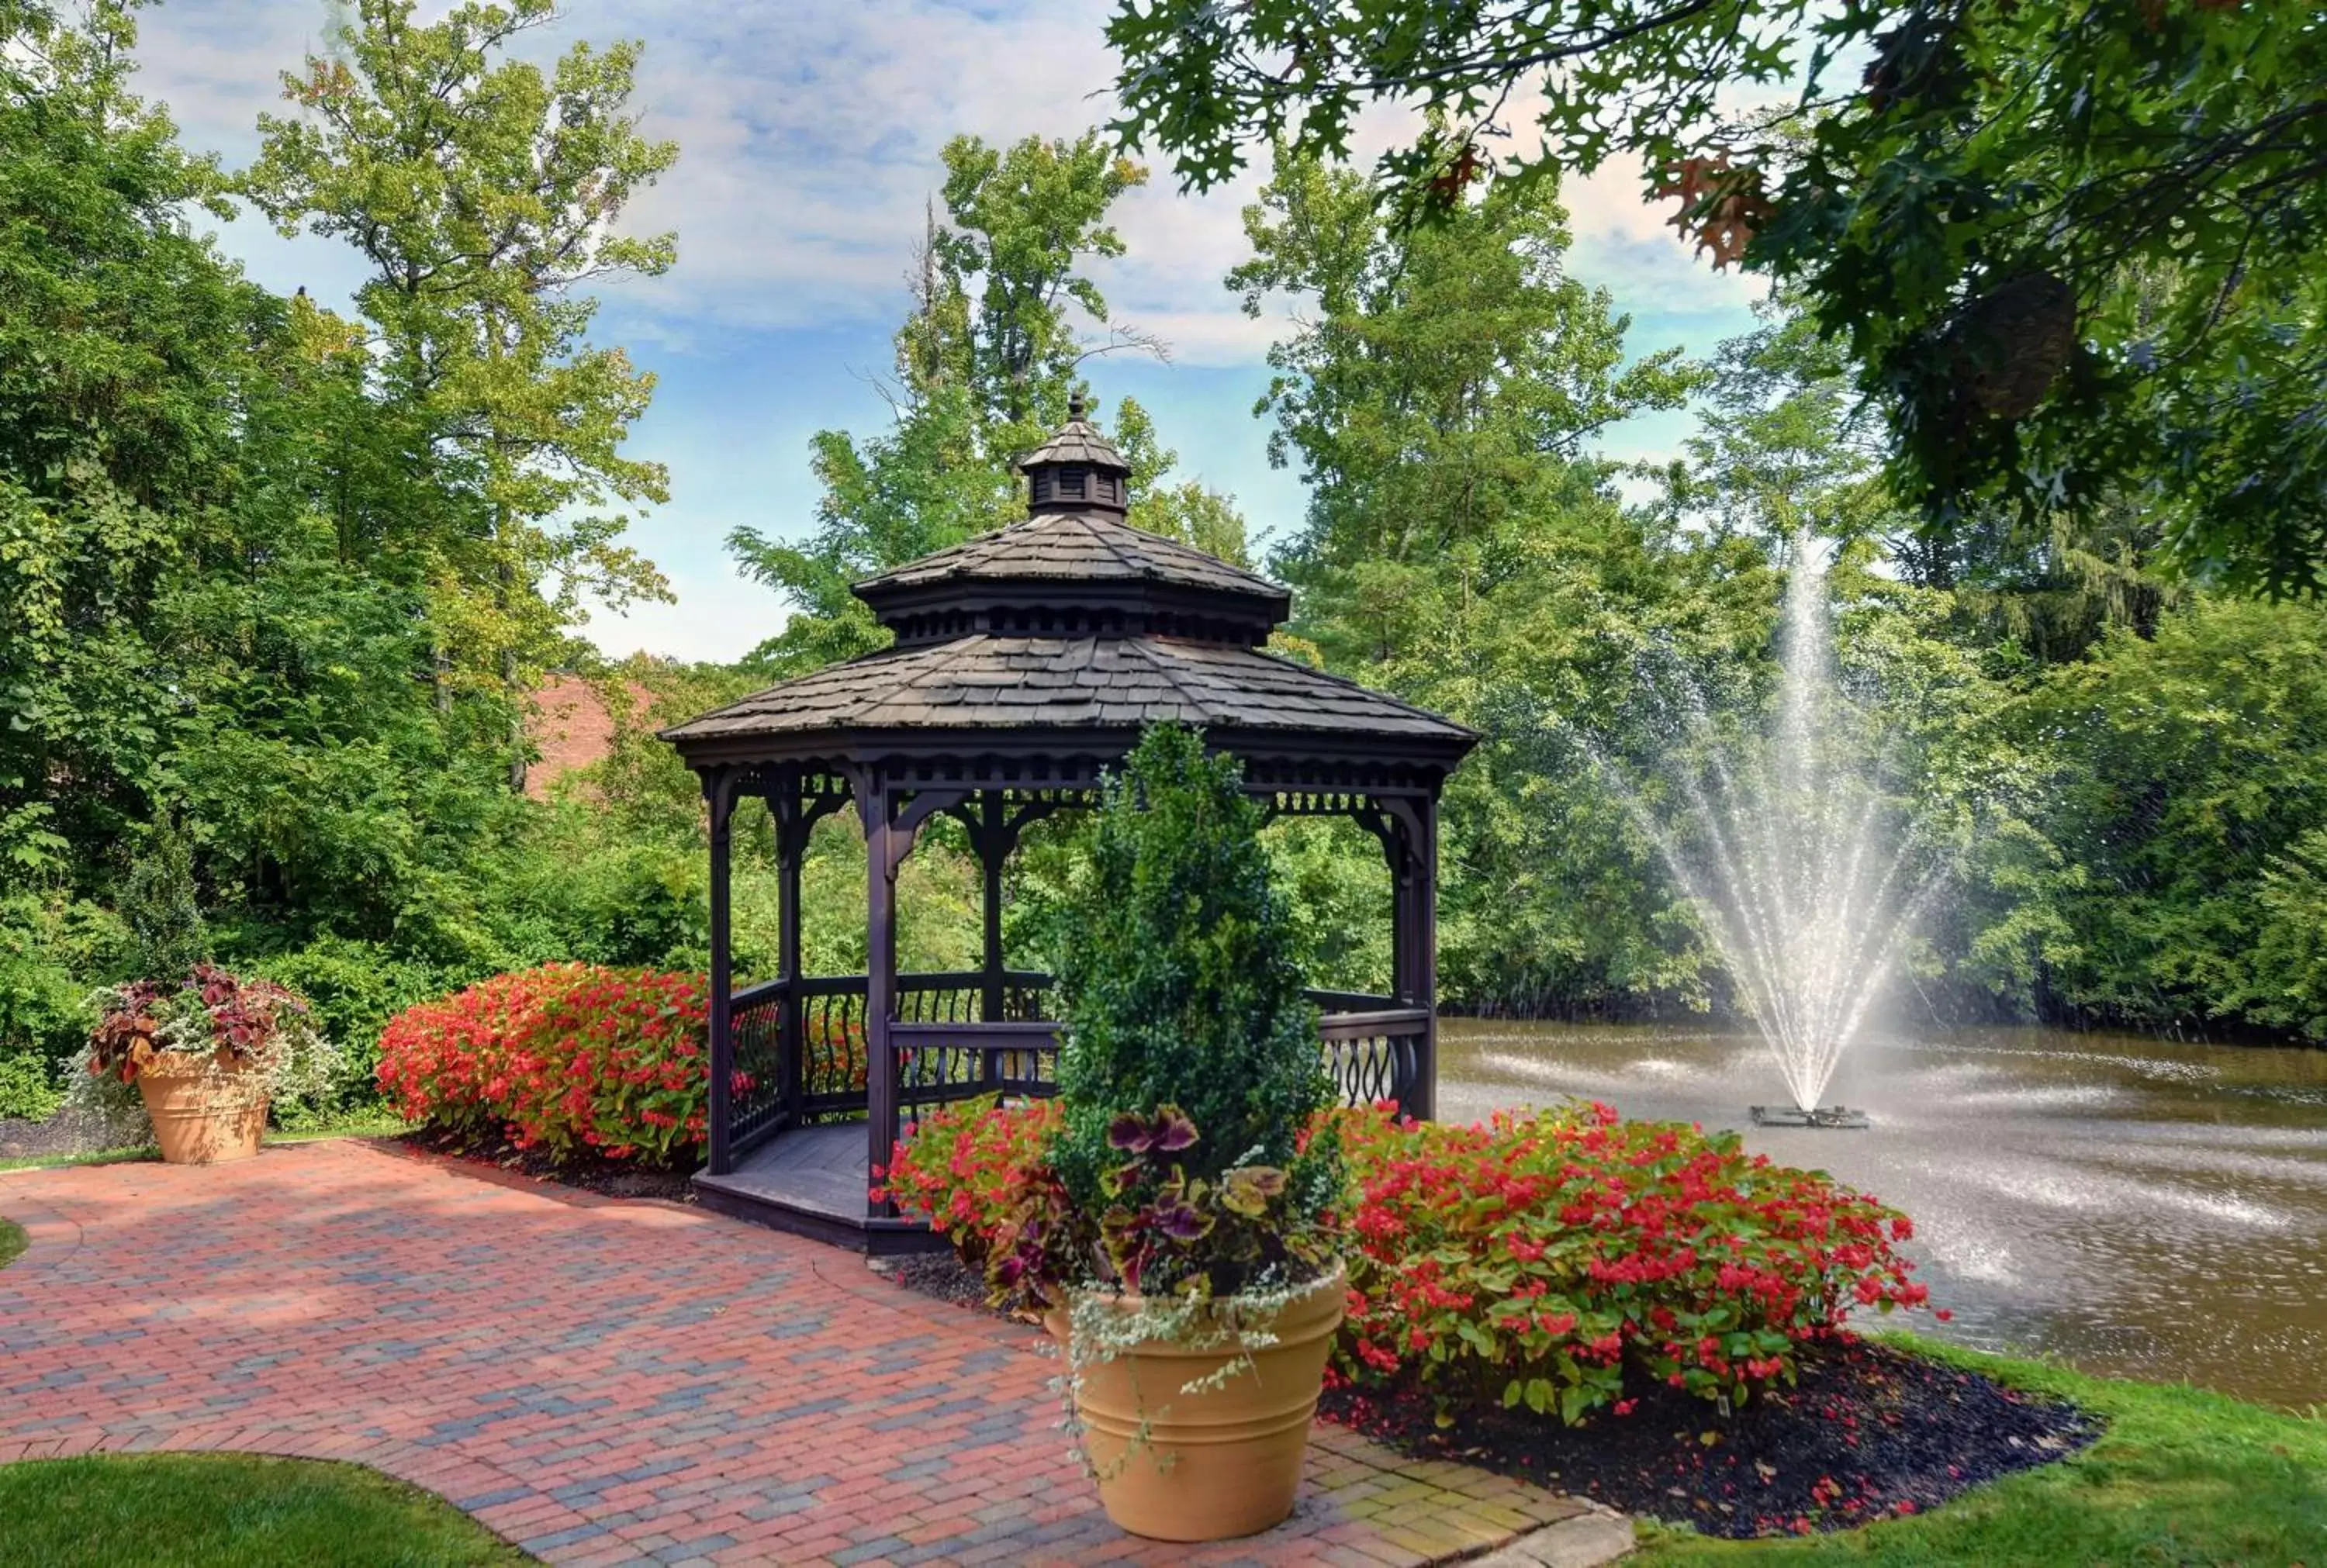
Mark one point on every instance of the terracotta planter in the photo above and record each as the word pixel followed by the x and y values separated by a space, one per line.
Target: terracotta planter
pixel 205 1109
pixel 1221 1462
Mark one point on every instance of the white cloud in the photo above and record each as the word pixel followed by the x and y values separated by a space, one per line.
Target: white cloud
pixel 808 137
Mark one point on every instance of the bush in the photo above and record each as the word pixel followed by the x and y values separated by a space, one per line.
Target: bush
pixel 26 1090
pixel 982 1176
pixel 1178 982
pixel 1176 1164
pixel 52 949
pixel 1540 1258
pixel 355 987
pixel 564 1058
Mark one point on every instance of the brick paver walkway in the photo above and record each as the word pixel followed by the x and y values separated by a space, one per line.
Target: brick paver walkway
pixel 600 1381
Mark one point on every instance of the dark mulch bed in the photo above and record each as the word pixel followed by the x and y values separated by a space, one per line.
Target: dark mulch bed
pixel 940 1275
pixel 24 1140
pixel 591 1173
pixel 70 1131
pixel 1868 1432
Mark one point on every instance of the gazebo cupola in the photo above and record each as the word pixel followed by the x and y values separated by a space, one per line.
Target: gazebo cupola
pixel 1074 568
pixel 1076 470
pixel 1025 663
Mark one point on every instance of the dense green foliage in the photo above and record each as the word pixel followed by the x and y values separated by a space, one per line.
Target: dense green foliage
pixel 279 579
pixel 274 585
pixel 2071 249
pixel 1178 982
pixel 190 1510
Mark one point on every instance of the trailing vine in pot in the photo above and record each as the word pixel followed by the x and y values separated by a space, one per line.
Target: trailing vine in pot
pixel 1169 1217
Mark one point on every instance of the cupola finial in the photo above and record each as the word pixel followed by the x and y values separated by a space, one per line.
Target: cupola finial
pixel 1074 405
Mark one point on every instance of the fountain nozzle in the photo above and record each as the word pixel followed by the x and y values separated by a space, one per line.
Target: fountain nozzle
pixel 1812 1116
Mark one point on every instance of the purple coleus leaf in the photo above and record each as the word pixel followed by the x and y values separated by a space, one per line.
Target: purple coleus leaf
pixel 1167 1132
pixel 1173 1131
pixel 1182 1221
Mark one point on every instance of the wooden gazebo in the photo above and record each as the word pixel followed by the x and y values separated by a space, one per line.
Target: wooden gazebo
pixel 1025 662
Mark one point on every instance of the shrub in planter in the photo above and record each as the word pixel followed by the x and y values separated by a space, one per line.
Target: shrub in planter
pixel 1544 1257
pixel 207 1055
pixel 566 1058
pixel 1168 1216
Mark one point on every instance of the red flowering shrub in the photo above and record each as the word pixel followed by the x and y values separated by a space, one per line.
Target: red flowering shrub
pixel 1540 1258
pixel 565 1057
pixel 981 1175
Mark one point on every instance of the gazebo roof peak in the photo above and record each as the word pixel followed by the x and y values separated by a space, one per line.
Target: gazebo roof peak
pixel 1076 470
pixel 1077 449
pixel 1063 548
pixel 1075 565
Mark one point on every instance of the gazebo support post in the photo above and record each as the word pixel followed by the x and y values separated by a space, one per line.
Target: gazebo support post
pixel 992 839
pixel 881 859
pixel 893 821
pixel 1413 851
pixel 719 795
pixel 791 845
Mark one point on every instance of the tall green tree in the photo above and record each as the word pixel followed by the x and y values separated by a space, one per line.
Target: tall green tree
pixel 1004 316
pixel 2071 249
pixel 2167 873
pixel 1783 445
pixel 486 195
pixel 1439 394
pixel 122 340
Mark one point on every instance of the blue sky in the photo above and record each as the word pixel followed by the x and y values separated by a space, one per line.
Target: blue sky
pixel 808 133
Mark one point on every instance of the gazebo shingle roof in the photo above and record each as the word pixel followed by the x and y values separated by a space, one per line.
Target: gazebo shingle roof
pixel 1075 625
pixel 1063 548
pixel 1072 683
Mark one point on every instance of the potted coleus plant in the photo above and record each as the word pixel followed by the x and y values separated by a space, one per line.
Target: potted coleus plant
pixel 206 1053
pixel 1169 1217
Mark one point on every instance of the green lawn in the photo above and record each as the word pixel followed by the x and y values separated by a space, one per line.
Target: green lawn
pixel 12 1241
pixel 2181 1477
pixel 229 1511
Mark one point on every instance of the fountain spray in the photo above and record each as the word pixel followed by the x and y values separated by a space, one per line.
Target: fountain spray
pixel 1788 857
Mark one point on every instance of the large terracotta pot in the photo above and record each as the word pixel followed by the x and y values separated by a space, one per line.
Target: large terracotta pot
pixel 205 1109
pixel 1221 1462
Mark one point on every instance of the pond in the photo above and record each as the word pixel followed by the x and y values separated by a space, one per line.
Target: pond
pixel 2133 1206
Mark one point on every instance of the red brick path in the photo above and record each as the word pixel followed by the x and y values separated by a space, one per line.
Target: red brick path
pixel 600 1381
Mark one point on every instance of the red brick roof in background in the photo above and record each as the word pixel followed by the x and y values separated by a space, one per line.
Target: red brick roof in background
pixel 569 725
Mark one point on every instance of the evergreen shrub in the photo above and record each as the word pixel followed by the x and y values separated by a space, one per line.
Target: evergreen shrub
pixel 1178 983
pixel 1179 1162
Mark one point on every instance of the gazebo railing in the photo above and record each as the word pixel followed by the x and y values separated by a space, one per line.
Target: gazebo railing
pixel 1375 1053
pixel 775 1085
pixel 947 1051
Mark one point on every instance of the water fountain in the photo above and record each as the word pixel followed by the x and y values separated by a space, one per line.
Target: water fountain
pixel 1790 850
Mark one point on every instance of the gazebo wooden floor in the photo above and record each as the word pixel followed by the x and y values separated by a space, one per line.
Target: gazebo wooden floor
pixel 811 1182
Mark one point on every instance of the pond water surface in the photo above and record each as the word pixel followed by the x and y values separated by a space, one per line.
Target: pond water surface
pixel 2133 1206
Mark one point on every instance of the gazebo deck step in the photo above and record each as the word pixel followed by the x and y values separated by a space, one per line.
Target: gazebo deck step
pixel 811 1182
